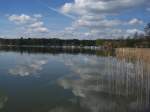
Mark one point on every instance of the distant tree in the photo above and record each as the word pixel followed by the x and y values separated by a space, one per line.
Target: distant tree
pixel 21 41
pixel 147 29
pixel 136 35
pixel 141 35
pixel 99 42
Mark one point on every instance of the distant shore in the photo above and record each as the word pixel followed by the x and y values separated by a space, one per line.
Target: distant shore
pixel 143 42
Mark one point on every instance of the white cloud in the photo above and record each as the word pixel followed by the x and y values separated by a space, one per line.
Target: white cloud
pixel 135 21
pixel 31 24
pixel 97 6
pixel 67 7
pixel 37 15
pixel 67 34
pixel 97 24
pixel 60 12
pixel 36 24
pixel 19 19
pixel 37 29
pixel 133 31
pixel 93 16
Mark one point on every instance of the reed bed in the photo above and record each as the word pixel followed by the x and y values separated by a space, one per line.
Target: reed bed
pixel 139 72
pixel 138 54
pixel 120 80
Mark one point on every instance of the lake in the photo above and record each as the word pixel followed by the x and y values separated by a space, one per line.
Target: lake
pixel 74 80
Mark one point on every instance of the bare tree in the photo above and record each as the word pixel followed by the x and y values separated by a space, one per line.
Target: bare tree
pixel 147 29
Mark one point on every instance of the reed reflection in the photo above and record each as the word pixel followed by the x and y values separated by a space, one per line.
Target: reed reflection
pixel 109 84
pixel 3 100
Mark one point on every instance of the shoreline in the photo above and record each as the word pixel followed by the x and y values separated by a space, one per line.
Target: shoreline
pixel 64 47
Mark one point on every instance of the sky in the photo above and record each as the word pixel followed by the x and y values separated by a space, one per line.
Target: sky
pixel 68 19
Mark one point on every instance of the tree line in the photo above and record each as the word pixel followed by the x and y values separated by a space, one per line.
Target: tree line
pixel 46 42
pixel 135 41
pixel 108 43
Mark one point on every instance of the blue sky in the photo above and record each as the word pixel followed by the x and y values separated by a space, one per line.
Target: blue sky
pixel 73 18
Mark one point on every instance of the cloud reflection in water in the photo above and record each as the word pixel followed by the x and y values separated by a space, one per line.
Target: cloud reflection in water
pixel 107 84
pixel 28 67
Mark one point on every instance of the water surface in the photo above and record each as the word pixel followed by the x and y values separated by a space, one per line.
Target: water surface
pixel 60 80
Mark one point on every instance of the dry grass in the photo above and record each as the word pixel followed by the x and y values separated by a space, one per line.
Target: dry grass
pixel 137 54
